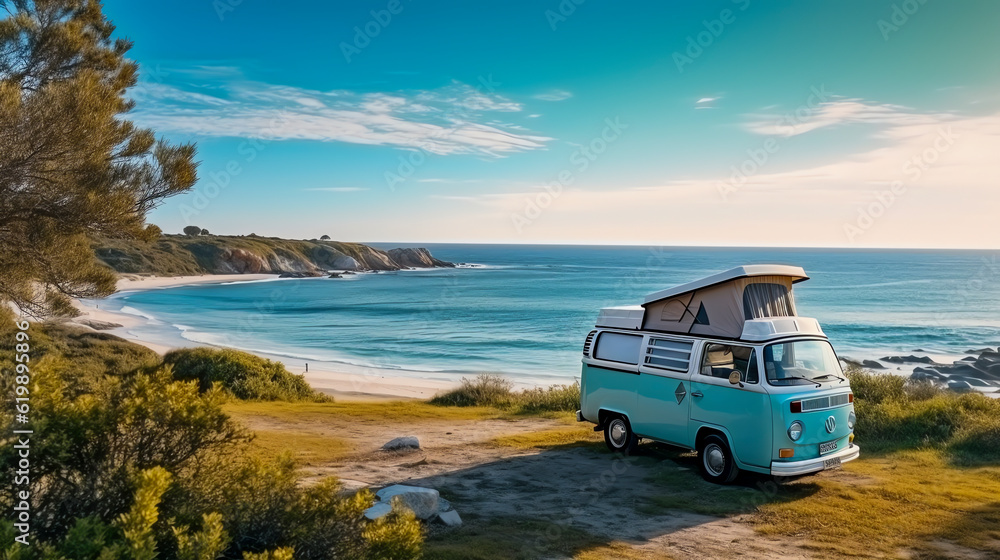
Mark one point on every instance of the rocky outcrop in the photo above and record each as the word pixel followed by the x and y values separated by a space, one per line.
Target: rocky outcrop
pixel 182 255
pixel 416 258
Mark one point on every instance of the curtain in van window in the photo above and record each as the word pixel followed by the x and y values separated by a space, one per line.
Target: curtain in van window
pixel 764 299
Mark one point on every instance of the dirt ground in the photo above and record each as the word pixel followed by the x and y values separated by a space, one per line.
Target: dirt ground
pixel 584 488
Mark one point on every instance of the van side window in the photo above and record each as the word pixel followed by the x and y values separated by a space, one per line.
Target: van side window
pixel 722 359
pixel 668 354
pixel 618 347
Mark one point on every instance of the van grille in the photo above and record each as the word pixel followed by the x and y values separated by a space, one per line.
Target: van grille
pixel 588 343
pixel 821 403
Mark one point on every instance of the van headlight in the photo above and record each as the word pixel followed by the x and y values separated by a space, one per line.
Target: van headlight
pixel 795 431
pixel 851 419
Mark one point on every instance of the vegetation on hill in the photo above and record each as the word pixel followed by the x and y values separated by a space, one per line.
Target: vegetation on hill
pixel 177 255
pixel 243 375
pixel 490 389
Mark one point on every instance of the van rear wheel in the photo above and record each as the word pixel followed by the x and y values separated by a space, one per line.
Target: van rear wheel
pixel 618 436
pixel 716 460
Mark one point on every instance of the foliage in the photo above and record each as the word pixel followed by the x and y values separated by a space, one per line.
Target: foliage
pixel 325 238
pixel 71 165
pixel 87 446
pixel 490 389
pixel 894 413
pixel 106 446
pixel 243 375
pixel 192 231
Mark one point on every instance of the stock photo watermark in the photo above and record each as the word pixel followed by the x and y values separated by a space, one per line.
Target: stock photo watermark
pixel 759 156
pixel 409 162
pixel 901 14
pixel 220 179
pixel 580 161
pixel 562 12
pixel 913 170
pixel 21 492
pixel 697 43
pixel 366 33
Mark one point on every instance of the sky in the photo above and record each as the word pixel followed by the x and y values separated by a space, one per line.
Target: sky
pixel 859 123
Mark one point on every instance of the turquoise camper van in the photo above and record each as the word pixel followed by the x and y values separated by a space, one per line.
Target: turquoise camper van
pixel 724 366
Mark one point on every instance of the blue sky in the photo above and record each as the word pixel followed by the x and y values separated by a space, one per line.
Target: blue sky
pixel 856 123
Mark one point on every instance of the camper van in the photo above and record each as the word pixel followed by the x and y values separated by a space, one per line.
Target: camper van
pixel 723 366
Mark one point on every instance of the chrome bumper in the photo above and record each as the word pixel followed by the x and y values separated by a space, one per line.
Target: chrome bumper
pixel 813 465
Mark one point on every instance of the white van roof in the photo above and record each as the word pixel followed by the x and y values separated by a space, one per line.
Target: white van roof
pixel 746 271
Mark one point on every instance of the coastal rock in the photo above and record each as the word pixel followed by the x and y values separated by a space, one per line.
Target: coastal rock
pixel 308 274
pixel 872 364
pixel 402 443
pixel 97 325
pixel 240 261
pixel 417 258
pixel 450 518
pixel 423 502
pixel 980 351
pixel 336 275
pixel 345 262
pixel 908 359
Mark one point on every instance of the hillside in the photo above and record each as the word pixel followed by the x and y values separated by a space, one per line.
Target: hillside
pixel 177 255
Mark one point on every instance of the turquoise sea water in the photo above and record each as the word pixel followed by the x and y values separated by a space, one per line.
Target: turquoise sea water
pixel 526 311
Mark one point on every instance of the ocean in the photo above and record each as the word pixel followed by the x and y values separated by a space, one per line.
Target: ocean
pixel 524 311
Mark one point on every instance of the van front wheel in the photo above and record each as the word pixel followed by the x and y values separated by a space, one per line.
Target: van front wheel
pixel 716 460
pixel 619 437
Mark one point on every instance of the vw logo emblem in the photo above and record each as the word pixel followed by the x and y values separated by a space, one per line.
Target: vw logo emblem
pixel 831 424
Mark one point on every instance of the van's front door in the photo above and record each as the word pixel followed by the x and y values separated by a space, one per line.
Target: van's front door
pixel 663 391
pixel 744 411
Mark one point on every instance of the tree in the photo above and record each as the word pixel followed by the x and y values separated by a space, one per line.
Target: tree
pixel 325 238
pixel 192 231
pixel 71 166
pixel 205 232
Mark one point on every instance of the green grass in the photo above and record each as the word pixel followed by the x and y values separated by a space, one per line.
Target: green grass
pixel 495 391
pixel 371 412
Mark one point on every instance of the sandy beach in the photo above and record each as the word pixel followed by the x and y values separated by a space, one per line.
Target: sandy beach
pixel 341 380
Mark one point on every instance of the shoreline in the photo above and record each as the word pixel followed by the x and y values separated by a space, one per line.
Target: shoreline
pixel 345 381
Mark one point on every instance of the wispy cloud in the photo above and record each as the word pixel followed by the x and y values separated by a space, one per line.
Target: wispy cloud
pixel 842 111
pixel 706 102
pixel 449 120
pixel 338 189
pixel 554 95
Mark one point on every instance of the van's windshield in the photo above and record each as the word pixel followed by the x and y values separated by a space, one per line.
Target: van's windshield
pixel 801 362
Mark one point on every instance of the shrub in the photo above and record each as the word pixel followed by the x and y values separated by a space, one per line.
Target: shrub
pixel 894 413
pixel 86 448
pixel 243 375
pixel 192 231
pixel 490 389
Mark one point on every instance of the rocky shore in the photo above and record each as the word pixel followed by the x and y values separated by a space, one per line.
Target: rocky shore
pixel 980 371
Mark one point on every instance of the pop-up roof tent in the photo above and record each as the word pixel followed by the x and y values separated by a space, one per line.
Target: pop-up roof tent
pixel 720 304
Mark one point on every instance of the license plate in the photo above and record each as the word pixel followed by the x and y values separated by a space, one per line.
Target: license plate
pixel 827 447
pixel 832 463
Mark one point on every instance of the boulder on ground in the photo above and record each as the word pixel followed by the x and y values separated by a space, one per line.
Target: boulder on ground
pixel 423 502
pixel 450 518
pixel 908 359
pixel 401 443
pixel 872 364
pixel 378 510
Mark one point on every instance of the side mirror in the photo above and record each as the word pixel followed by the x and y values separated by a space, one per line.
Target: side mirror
pixel 734 378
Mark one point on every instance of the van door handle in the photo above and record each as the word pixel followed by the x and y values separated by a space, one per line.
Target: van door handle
pixel 697 394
